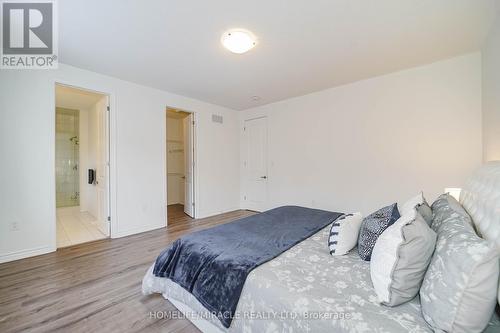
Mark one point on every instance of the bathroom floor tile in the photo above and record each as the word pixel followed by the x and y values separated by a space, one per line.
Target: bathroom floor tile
pixel 75 227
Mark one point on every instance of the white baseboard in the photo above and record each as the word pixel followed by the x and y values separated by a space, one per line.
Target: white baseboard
pixel 16 255
pixel 202 215
pixel 133 231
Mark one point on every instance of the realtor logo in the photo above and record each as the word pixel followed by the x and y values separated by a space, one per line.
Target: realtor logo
pixel 28 35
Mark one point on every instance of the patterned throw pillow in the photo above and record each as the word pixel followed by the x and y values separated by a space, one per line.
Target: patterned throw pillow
pixel 458 293
pixel 344 234
pixel 373 226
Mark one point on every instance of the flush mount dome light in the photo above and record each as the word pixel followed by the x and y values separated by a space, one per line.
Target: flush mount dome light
pixel 238 41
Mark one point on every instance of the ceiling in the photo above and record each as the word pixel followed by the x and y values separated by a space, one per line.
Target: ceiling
pixel 77 99
pixel 303 46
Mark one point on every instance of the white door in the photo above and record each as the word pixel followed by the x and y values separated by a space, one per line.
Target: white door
pixel 188 165
pixel 102 170
pixel 255 164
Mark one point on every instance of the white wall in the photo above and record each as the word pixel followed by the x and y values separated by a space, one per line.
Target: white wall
pixel 491 95
pixel 354 147
pixel 27 131
pixel 377 141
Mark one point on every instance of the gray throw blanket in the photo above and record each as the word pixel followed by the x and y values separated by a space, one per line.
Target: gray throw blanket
pixel 213 264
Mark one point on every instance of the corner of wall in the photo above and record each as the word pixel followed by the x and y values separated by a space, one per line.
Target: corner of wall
pixel 490 64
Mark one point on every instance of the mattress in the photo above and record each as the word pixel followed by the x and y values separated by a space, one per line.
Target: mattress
pixel 305 289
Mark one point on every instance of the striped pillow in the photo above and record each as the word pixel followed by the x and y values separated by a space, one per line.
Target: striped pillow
pixel 344 234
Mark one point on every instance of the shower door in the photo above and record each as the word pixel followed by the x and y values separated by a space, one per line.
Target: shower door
pixel 67 158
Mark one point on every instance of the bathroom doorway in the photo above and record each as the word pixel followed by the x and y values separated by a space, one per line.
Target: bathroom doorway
pixel 81 165
pixel 180 166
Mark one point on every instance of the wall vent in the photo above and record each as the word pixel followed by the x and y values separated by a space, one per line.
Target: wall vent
pixel 217 118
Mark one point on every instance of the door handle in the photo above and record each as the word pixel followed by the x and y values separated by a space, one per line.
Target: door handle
pixel 263 177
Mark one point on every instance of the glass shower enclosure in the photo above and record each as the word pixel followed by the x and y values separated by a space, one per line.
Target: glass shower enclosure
pixel 67 158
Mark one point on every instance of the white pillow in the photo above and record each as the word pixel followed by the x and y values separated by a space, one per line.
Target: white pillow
pixel 400 259
pixel 411 203
pixel 344 234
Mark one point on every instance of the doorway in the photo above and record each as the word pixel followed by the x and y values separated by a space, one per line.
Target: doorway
pixel 180 165
pixel 81 165
pixel 255 164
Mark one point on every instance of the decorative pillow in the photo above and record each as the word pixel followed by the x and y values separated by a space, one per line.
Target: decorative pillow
pixel 426 212
pixel 459 290
pixel 451 207
pixel 400 258
pixel 344 234
pixel 412 203
pixel 373 226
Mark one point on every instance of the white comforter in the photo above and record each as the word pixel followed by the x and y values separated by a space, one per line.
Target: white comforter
pixel 306 290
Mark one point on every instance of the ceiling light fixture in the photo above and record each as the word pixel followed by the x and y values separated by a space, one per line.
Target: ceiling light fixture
pixel 238 41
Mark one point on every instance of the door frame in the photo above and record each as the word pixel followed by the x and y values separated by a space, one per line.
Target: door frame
pixel 244 152
pixel 111 143
pixel 195 161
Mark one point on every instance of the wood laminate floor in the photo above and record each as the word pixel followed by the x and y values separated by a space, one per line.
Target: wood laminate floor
pixel 176 215
pixel 95 287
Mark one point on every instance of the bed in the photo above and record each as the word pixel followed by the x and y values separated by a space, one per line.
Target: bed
pixel 305 289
